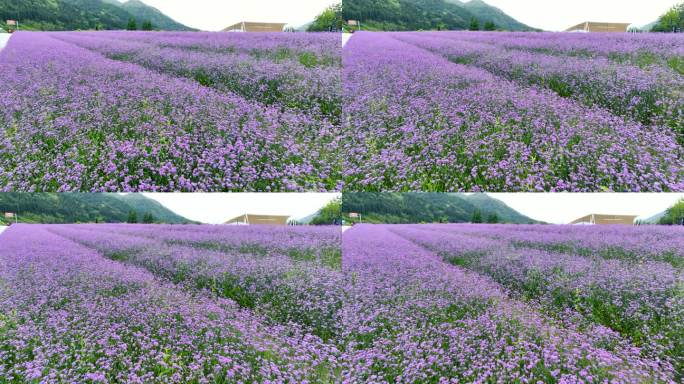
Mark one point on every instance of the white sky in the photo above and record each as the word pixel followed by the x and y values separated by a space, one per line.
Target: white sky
pixel 215 15
pixel 559 15
pixel 217 208
pixel 562 208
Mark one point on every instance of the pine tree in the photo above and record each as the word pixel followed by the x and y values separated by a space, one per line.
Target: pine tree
pixel 148 218
pixel 132 26
pixel 474 25
pixel 490 26
pixel 477 217
pixel 147 26
pixel 132 217
pixel 493 218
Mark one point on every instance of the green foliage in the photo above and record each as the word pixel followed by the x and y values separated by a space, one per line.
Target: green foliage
pixel 404 15
pixel 60 208
pixel 474 25
pixel 490 26
pixel 492 218
pixel 330 214
pixel 671 21
pixel 329 20
pixel 148 218
pixel 477 217
pixel 395 208
pixel 132 217
pixel 132 25
pixel 147 26
pixel 674 215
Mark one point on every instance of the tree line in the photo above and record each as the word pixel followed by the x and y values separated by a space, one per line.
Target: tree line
pixel 671 21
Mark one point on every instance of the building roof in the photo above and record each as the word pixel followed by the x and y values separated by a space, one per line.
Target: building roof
pixel 600 219
pixel 250 219
pixel 592 26
pixel 251 26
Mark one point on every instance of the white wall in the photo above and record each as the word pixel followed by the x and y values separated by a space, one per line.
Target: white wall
pixel 4 37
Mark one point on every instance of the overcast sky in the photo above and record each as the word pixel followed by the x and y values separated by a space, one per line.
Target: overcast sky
pixel 559 15
pixel 215 15
pixel 553 15
pixel 562 208
pixel 217 208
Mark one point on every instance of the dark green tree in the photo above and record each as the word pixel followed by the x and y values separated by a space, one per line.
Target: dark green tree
pixel 474 25
pixel 329 20
pixel 674 215
pixel 147 26
pixel 490 26
pixel 672 20
pixel 492 218
pixel 132 25
pixel 132 217
pixel 330 214
pixel 148 218
pixel 477 217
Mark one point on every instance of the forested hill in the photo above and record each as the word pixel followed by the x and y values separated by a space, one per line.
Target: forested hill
pixel 143 12
pixel 396 208
pixel 84 208
pixel 62 15
pixel 485 12
pixel 411 15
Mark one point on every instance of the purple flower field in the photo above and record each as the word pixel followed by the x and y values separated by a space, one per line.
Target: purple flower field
pixel 113 111
pixel 429 111
pixel 90 303
pixel 463 111
pixel 378 304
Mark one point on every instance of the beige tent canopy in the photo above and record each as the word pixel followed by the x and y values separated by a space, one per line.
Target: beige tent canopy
pixel 249 26
pixel 249 219
pixel 591 26
pixel 606 219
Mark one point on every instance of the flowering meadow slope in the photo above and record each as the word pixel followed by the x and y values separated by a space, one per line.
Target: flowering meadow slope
pixel 381 304
pixel 113 111
pixel 510 112
pixel 86 304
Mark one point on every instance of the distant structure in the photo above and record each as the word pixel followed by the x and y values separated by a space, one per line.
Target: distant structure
pixel 591 26
pixel 249 219
pixel 597 219
pixel 12 25
pixel 249 26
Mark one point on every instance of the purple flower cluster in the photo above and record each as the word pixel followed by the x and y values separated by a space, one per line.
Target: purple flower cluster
pixel 179 303
pixel 68 314
pixel 417 121
pixel 122 111
pixel 638 49
pixel 73 120
pixel 425 320
pixel 286 82
pixel 651 96
pixel 284 287
pixel 639 297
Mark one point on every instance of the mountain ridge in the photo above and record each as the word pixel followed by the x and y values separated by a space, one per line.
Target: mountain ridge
pixel 142 12
pixel 63 208
pixel 61 15
pixel 404 15
pixel 418 207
